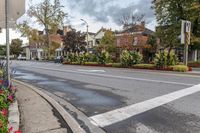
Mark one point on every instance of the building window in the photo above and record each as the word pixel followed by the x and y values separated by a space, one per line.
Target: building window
pixel 135 41
pixel 118 42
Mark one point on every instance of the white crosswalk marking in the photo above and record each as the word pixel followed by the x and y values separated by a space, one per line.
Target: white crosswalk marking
pixel 124 113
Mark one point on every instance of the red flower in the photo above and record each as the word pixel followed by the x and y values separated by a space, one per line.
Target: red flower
pixel 1 82
pixel 18 131
pixel 11 98
pixel 4 112
pixel 1 91
pixel 13 89
pixel 10 129
pixel 1 124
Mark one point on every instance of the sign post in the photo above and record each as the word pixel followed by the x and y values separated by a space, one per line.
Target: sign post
pixel 185 38
pixel 10 11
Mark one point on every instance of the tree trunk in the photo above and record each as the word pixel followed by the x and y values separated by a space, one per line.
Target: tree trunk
pixel 168 55
pixel 47 41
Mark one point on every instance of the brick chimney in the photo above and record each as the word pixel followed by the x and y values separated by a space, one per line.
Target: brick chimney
pixel 143 25
pixel 66 29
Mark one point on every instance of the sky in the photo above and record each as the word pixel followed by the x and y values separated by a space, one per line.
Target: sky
pixel 97 13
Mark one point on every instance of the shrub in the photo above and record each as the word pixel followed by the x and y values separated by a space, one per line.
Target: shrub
pixel 118 65
pixel 91 63
pixel 130 58
pixel 1 73
pixel 137 57
pixel 194 63
pixel 93 58
pixel 104 57
pixel 72 57
pixel 144 66
pixel 75 63
pixel 180 68
pixel 162 60
pixel 81 59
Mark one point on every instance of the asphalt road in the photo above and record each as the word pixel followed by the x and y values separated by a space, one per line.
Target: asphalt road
pixel 121 100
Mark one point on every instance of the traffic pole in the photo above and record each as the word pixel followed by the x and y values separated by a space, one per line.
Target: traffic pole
pixel 186 54
pixel 7 43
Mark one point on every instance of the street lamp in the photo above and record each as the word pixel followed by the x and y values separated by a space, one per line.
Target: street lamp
pixel 87 33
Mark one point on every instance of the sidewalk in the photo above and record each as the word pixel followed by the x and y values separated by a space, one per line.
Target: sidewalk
pixel 36 114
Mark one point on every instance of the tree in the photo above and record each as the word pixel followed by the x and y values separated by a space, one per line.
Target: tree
pixel 48 15
pixel 150 48
pixel 74 42
pixel 131 19
pixel 2 50
pixel 53 47
pixel 16 47
pixel 169 14
pixel 108 42
pixel 30 33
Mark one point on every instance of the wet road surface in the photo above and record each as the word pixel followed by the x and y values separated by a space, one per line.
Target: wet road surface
pixel 96 92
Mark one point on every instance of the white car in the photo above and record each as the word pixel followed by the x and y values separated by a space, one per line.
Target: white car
pixel 20 57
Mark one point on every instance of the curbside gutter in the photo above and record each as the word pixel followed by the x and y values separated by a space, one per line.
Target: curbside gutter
pixel 14 120
pixel 72 123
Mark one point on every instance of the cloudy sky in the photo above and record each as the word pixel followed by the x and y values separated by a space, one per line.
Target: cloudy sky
pixel 98 13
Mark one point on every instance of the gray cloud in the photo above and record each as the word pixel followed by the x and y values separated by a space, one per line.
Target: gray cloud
pixel 102 10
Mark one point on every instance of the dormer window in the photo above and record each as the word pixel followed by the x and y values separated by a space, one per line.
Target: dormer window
pixel 135 41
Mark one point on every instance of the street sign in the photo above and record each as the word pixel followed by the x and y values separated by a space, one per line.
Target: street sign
pixel 185 31
pixel 187 26
pixel 185 38
pixel 16 8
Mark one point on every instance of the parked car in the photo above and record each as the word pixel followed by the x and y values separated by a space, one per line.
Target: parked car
pixel 20 57
pixel 58 59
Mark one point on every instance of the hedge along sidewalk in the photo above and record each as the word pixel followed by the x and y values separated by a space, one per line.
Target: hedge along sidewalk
pixel 36 114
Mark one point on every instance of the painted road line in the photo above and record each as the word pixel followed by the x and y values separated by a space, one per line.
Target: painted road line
pixel 124 113
pixel 92 71
pixel 113 76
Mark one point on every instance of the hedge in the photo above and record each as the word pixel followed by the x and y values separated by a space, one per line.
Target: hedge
pixel 194 64
pixel 180 68
pixel 145 66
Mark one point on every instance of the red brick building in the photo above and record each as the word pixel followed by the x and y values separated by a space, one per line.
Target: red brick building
pixel 133 38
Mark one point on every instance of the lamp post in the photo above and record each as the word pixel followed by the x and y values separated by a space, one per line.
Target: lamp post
pixel 7 43
pixel 87 33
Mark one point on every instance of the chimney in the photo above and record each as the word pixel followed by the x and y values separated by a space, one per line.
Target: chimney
pixel 143 25
pixel 66 29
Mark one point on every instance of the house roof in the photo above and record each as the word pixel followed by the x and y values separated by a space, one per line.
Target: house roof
pixel 90 33
pixel 102 29
pixel 136 29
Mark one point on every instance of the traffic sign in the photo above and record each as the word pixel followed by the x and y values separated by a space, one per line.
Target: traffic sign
pixel 185 31
pixel 16 8
pixel 185 38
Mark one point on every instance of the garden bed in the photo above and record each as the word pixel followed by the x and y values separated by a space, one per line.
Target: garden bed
pixel 7 98
pixel 194 64
pixel 177 68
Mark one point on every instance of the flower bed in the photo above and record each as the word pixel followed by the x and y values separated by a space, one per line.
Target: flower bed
pixel 7 97
pixel 177 68
pixel 194 64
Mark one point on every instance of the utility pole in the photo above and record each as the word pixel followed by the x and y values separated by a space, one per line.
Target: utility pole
pixel 185 38
pixel 87 39
pixel 7 43
pixel 87 34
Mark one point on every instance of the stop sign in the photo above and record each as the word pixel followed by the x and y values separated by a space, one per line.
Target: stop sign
pixel 16 8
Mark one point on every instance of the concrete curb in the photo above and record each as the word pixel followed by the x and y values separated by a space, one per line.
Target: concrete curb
pixel 72 123
pixel 14 120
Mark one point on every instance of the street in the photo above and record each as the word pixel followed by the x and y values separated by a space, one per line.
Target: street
pixel 121 100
